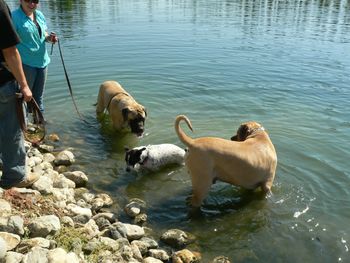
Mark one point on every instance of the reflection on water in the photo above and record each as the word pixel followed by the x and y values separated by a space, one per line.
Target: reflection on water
pixel 68 16
pixel 283 63
pixel 328 19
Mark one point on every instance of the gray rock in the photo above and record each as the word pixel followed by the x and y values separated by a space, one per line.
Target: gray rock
pixel 44 166
pixel 64 158
pixel 63 182
pixel 2 248
pixel 27 244
pixel 131 232
pixel 176 238
pixel 16 224
pixel 135 207
pixel 127 253
pixel 35 160
pixel 142 246
pixel 114 233
pixel 48 157
pixel 159 254
pixel 151 260
pixel 88 197
pixel 61 169
pixel 111 217
pixel 81 219
pixel 91 246
pixel 106 199
pixel 57 255
pixel 44 185
pixel 4 227
pixel 97 204
pixel 44 225
pixel 78 177
pixel 33 152
pixel 136 252
pixel 46 148
pixel 11 240
pixel 102 223
pixel 110 243
pixel 91 229
pixel 83 203
pixel 72 258
pixel 64 194
pixel 185 255
pixel 37 254
pixel 67 221
pixel 140 219
pixel 77 210
pixel 151 243
pixel 5 208
pixel 13 257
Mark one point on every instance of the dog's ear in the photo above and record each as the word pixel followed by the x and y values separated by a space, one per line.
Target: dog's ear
pixel 242 132
pixel 145 110
pixel 234 138
pixel 125 113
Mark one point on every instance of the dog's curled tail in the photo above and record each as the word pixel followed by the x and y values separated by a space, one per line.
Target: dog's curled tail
pixel 182 136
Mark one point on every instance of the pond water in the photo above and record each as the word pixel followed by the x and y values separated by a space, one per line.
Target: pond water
pixel 285 64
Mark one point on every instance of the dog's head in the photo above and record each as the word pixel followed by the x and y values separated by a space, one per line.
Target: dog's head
pixel 246 129
pixel 135 117
pixel 135 156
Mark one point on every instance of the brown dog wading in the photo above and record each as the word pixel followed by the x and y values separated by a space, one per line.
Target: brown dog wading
pixel 249 160
pixel 124 111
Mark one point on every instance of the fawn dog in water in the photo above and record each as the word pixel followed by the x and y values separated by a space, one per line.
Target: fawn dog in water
pixel 124 111
pixel 248 160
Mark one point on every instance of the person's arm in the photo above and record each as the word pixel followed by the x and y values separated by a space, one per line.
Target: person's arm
pixel 14 63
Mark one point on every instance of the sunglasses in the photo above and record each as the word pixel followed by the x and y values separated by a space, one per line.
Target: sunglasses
pixel 32 1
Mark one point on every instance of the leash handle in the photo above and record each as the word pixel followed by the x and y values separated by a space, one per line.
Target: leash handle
pixel 38 118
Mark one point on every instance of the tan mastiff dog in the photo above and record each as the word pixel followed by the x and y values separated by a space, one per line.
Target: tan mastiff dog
pixel 123 110
pixel 250 161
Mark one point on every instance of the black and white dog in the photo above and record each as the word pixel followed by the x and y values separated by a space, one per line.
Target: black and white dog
pixel 153 157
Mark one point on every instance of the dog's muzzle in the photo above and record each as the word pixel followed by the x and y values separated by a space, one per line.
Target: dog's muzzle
pixel 137 125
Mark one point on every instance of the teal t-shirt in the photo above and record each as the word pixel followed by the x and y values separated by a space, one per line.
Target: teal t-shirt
pixel 33 46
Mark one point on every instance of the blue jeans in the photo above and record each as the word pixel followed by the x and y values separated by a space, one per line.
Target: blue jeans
pixel 36 78
pixel 12 151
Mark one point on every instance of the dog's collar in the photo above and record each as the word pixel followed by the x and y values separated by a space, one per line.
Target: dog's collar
pixel 117 93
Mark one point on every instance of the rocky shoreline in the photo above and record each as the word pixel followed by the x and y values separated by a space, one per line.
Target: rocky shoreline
pixel 59 220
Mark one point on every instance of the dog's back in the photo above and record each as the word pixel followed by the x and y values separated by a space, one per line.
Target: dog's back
pixel 163 154
pixel 107 91
pixel 154 157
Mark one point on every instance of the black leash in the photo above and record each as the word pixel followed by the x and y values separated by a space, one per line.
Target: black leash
pixel 69 85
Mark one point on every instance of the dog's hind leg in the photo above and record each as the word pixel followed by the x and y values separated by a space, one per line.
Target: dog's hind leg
pixel 200 187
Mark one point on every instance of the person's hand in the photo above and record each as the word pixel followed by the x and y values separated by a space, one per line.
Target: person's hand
pixel 27 93
pixel 52 38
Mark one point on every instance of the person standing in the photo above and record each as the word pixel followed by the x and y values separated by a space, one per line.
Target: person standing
pixel 12 80
pixel 31 27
